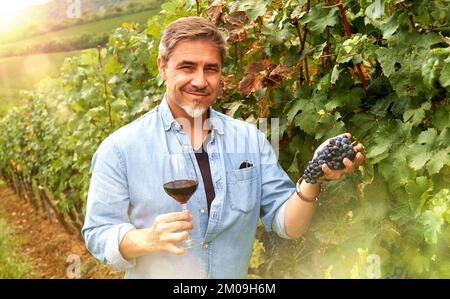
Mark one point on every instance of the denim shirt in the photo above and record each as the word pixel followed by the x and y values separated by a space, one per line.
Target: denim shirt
pixel 126 192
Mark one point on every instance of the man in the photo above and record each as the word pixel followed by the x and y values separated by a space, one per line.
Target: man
pixel 133 225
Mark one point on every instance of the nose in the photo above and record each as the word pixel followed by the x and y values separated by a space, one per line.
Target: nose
pixel 199 80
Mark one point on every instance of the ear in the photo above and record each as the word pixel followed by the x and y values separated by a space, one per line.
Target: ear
pixel 162 68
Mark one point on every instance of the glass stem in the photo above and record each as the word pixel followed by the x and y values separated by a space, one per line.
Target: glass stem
pixel 188 241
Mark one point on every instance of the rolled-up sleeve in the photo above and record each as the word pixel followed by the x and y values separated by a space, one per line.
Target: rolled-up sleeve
pixel 276 187
pixel 107 220
pixel 278 222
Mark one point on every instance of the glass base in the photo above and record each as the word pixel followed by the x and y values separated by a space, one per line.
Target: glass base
pixel 190 243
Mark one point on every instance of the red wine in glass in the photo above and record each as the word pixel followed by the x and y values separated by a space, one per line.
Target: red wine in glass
pixel 180 181
pixel 181 190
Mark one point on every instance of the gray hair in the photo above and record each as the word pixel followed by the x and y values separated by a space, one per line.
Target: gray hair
pixel 191 28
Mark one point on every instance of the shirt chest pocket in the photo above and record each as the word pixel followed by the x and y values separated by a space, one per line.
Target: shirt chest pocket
pixel 242 189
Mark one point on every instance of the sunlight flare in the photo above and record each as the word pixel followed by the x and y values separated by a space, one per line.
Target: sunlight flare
pixel 10 11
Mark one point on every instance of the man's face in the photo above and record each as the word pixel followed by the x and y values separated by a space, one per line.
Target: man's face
pixel 192 76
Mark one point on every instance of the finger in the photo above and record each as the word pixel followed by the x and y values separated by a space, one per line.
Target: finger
pixel 175 226
pixel 176 216
pixel 358 148
pixel 174 249
pixel 359 159
pixel 174 237
pixel 349 165
pixel 349 136
pixel 326 169
pixel 330 173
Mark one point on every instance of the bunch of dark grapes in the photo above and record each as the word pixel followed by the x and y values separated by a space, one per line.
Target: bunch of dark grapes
pixel 333 155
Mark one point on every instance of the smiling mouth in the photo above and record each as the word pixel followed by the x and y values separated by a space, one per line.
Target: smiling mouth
pixel 202 94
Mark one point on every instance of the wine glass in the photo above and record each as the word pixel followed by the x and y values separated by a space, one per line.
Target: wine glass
pixel 180 181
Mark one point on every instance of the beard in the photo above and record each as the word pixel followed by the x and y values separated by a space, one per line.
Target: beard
pixel 193 111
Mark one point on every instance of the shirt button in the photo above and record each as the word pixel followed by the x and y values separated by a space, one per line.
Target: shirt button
pixel 205 245
pixel 202 211
pixel 219 185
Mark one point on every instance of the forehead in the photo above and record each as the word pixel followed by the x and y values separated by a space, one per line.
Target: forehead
pixel 197 51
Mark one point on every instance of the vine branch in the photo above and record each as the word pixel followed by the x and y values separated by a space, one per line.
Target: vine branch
pixel 348 33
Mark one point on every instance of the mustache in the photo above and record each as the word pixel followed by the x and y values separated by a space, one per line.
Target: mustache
pixel 202 91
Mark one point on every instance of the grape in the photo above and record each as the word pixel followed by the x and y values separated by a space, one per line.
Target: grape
pixel 333 155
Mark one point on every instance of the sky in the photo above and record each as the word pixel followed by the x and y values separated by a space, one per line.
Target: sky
pixel 9 10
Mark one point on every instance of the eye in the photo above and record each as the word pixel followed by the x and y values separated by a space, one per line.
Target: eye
pixel 185 67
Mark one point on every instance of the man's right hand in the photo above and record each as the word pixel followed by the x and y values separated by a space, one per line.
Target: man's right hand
pixel 166 231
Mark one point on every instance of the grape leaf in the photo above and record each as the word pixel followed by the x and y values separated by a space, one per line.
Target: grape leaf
pixel 432 226
pixel 335 74
pixel 387 60
pixel 375 10
pixel 438 160
pixel 308 119
pixel 319 18
pixel 428 136
pixel 348 98
pixel 402 173
pixel 415 116
pixel 444 79
pixel 389 26
pixel 441 118
pixel 420 152
pixel 418 191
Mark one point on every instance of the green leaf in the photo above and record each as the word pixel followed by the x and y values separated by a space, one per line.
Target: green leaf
pixel 444 137
pixel 408 80
pixel 375 10
pixel 395 169
pixel 350 99
pixel 295 107
pixel 308 119
pixel 420 152
pixel 419 157
pixel 324 83
pixel 119 105
pixel 415 116
pixel 441 118
pixel 432 226
pixel 113 66
pixel 389 134
pixel 430 71
pixel 375 205
pixel 254 8
pixel 428 136
pixel 170 7
pixel 418 191
pixel 318 50
pixel 377 150
pixel 319 18
pixel 387 60
pixel 444 79
pixel 294 166
pixel 363 123
pixel 438 160
pixel 389 27
pixel 335 74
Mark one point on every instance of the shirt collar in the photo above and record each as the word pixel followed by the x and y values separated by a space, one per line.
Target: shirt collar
pixel 169 121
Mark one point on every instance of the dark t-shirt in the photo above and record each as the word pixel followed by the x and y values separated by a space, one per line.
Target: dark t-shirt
pixel 203 163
